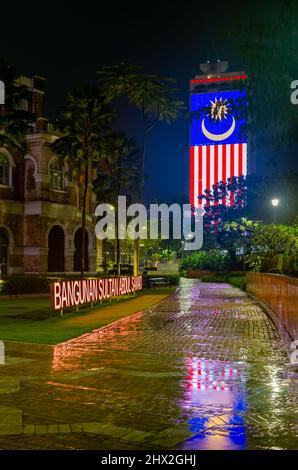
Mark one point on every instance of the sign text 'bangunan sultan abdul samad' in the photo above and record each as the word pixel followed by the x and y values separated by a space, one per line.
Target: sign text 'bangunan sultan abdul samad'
pixel 83 291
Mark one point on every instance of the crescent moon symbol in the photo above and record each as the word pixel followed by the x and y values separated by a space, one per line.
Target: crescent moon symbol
pixel 218 137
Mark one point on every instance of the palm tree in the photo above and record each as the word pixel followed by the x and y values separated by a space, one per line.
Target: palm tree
pixel 15 123
pixel 117 175
pixel 85 122
pixel 154 96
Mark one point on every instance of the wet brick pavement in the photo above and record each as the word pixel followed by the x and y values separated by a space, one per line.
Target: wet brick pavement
pixel 204 369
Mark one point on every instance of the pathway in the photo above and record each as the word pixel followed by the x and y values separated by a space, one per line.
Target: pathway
pixel 205 369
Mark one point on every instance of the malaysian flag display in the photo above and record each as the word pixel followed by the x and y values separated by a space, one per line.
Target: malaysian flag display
pixel 218 144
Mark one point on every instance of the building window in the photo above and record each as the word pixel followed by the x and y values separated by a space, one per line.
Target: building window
pixel 56 244
pixel 56 175
pixel 4 170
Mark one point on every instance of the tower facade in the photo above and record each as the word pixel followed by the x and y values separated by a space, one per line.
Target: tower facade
pixel 218 140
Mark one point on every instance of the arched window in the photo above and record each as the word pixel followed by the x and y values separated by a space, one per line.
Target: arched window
pixel 4 170
pixel 4 243
pixel 77 260
pixel 56 242
pixel 56 175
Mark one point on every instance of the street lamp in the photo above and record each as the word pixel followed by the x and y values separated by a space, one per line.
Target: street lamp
pixel 182 248
pixel 189 236
pixel 274 203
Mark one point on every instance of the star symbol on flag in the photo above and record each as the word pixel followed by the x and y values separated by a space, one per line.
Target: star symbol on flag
pixel 219 109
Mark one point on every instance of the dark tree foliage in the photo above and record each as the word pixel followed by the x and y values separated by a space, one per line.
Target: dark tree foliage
pixel 228 226
pixel 252 199
pixel 118 175
pixel 268 44
pixel 154 96
pixel 85 124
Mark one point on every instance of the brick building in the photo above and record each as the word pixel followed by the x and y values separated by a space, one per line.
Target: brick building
pixel 40 208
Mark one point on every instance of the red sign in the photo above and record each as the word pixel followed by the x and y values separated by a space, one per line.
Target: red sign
pixel 83 291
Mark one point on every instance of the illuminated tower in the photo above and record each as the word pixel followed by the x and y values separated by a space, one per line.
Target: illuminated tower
pixel 218 141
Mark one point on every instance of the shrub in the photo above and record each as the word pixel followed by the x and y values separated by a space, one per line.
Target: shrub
pixel 21 284
pixel 210 260
pixel 28 284
pixel 274 248
pixel 237 281
pixel 15 285
pixel 216 277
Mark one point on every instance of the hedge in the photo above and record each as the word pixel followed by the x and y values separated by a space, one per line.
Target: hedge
pixel 31 284
pixel 15 285
pixel 205 260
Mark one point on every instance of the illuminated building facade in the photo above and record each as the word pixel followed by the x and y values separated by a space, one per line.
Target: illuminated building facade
pixel 40 207
pixel 218 141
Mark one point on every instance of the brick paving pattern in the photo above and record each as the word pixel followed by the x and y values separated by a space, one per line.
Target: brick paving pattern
pixel 204 369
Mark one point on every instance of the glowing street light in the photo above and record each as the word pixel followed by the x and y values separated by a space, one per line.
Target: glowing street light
pixel 274 203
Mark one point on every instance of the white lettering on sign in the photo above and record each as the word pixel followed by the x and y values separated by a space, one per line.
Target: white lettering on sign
pixel 83 291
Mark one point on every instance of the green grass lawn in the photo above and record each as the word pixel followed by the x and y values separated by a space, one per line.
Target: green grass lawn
pixel 33 320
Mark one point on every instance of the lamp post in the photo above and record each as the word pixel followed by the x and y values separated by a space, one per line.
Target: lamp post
pixel 188 237
pixel 274 203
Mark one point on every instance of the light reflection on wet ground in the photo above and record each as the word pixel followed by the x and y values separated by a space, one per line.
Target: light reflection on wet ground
pixel 216 387
pixel 205 369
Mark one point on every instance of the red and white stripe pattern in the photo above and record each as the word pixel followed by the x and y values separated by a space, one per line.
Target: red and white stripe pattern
pixel 210 164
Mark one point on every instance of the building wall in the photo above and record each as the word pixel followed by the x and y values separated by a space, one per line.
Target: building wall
pixel 30 207
pixel 29 204
pixel 280 293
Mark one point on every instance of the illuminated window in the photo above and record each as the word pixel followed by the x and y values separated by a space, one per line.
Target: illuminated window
pixel 4 170
pixel 56 175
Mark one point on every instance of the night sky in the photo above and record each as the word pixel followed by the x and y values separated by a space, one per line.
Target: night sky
pixel 67 42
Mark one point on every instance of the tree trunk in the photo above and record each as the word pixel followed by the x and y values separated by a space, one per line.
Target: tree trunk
pixel 86 183
pixel 233 258
pixel 105 264
pixel 142 169
pixel 136 267
pixel 136 257
pixel 118 258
